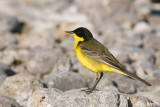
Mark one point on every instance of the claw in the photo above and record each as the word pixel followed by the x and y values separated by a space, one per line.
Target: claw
pixel 89 90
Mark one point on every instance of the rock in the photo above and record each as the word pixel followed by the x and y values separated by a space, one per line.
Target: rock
pixel 139 54
pixel 65 80
pixel 114 12
pixel 142 27
pixel 32 61
pixel 38 56
pixel 78 98
pixel 155 74
pixel 5 71
pixel 45 6
pixel 7 102
pixel 107 84
pixel 143 68
pixel 119 53
pixel 32 40
pixel 10 23
pixel 4 102
pixel 63 64
pixel 68 45
pixel 143 8
pixel 22 9
pixel 8 56
pixel 7 41
pixel 41 40
pixel 152 93
pixel 16 59
pixel 130 55
pixel 153 21
pixel 126 85
pixel 19 87
pixel 156 60
pixel 153 18
pixel 151 41
pixel 112 36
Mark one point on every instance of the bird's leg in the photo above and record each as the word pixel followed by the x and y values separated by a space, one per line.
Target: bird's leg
pixel 89 90
pixel 96 82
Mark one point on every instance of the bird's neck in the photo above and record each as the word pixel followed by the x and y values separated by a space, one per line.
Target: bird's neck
pixel 78 40
pixel 77 43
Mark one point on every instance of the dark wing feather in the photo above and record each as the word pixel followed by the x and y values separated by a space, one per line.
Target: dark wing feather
pixel 95 50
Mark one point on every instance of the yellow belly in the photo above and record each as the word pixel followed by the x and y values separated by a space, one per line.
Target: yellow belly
pixel 91 64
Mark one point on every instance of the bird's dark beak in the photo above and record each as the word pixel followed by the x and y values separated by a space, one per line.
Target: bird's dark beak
pixel 70 32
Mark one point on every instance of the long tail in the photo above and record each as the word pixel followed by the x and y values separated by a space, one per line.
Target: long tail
pixel 130 74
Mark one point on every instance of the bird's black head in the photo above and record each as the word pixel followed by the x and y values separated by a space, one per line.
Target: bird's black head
pixel 82 32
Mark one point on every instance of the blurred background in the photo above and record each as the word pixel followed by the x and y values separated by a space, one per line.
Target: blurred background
pixel 36 52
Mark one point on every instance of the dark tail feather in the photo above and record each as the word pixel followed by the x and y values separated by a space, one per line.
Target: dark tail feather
pixel 136 77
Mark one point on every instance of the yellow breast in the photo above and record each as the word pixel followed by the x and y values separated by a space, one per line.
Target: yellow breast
pixel 91 64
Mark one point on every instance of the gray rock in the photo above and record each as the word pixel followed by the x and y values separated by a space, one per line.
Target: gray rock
pixel 4 102
pixel 78 98
pixel 5 71
pixel 63 64
pixel 131 54
pixel 65 80
pixel 143 8
pixel 107 83
pixel 16 59
pixel 32 61
pixel 142 27
pixel 41 61
pixel 112 36
pixel 7 41
pixel 10 23
pixel 143 68
pixel 8 56
pixel 152 92
pixel 114 11
pixel 126 85
pixel 46 6
pixel 68 44
pixel 7 102
pixel 153 18
pixel 40 40
pixel 19 87
pixel 151 41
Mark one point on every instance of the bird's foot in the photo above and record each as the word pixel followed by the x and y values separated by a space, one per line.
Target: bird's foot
pixel 89 90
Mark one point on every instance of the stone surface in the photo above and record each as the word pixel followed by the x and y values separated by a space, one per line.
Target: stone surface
pixel 109 7
pixel 10 23
pixel 4 72
pixel 42 40
pixel 38 56
pixel 152 93
pixel 54 97
pixel 4 102
pixel 142 27
pixel 152 41
pixel 19 87
pixel 7 41
pixel 126 85
pixel 33 41
pixel 7 102
pixel 143 8
pixel 65 80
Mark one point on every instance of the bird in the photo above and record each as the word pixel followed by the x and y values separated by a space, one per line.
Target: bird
pixel 94 56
